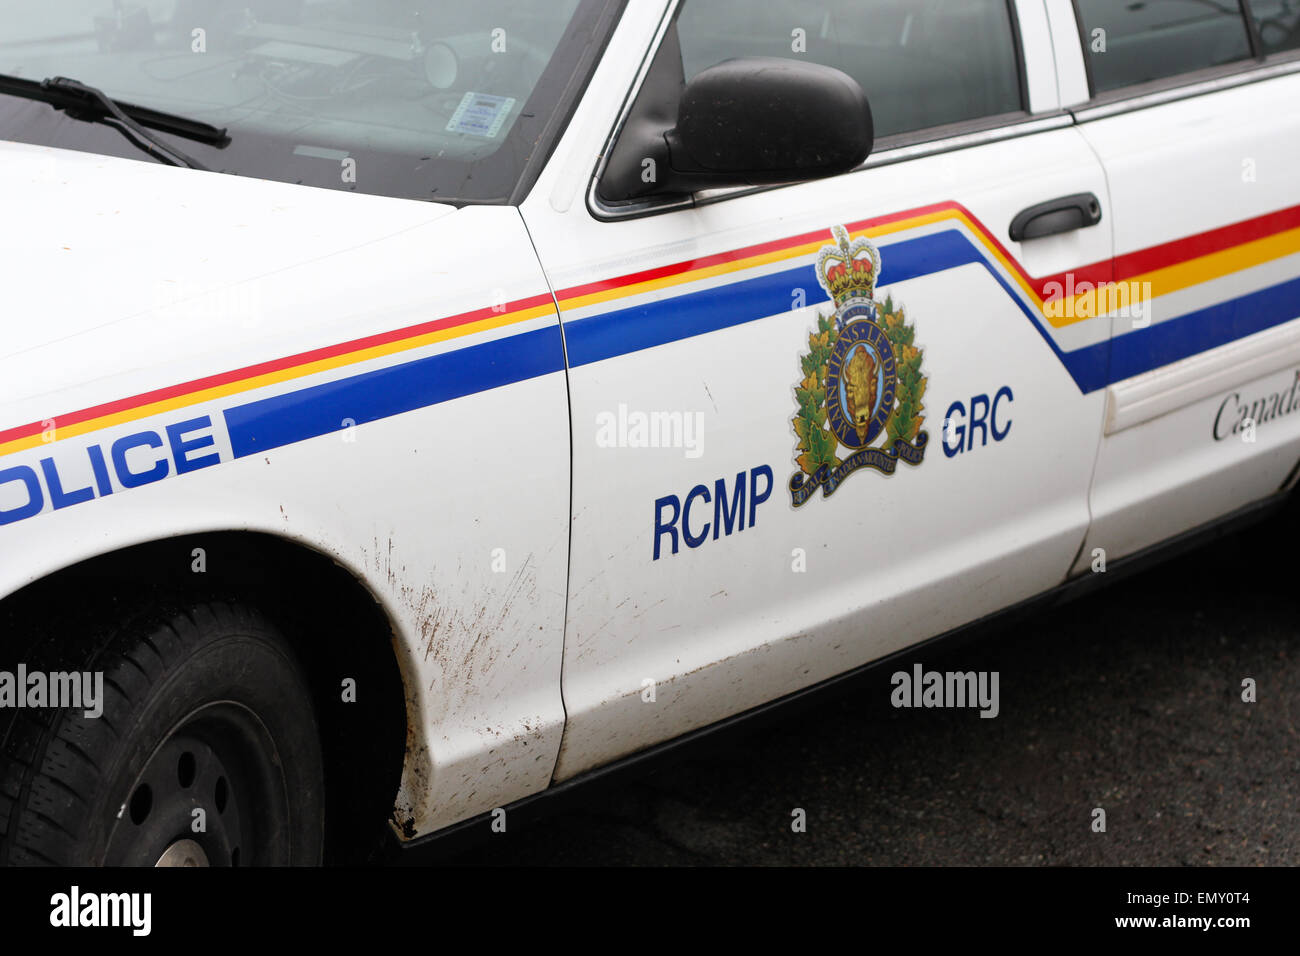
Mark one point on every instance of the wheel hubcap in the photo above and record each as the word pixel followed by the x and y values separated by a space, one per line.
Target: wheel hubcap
pixel 212 794
pixel 183 853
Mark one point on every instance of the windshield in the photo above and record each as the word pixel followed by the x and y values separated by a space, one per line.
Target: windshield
pixel 446 100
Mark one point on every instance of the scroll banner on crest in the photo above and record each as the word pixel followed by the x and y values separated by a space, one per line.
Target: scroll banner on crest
pixel 884 460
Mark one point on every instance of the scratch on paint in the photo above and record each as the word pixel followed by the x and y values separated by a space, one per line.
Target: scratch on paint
pixel 710 394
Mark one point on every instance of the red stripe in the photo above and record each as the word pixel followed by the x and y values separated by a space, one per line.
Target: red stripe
pixel 263 368
pixel 1126 266
pixel 1177 251
pixel 734 255
pixel 1096 273
pixel 1205 243
pixel 1123 267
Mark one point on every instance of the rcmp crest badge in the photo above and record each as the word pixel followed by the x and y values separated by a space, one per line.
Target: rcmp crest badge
pixel 860 400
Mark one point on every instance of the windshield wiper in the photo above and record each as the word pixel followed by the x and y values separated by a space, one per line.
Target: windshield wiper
pixel 82 102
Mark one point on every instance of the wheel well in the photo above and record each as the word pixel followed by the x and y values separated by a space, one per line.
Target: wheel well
pixel 335 625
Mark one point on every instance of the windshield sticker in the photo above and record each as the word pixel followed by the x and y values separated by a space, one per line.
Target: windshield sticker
pixel 480 114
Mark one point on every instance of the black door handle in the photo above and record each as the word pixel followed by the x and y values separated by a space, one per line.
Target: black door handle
pixel 1056 216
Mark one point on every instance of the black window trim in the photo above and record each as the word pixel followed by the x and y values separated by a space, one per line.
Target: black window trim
pixel 1198 82
pixel 1187 86
pixel 605 21
pixel 1252 31
pixel 936 140
pixel 887 151
pixel 607 212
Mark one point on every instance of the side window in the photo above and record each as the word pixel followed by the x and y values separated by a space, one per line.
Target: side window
pixel 1278 23
pixel 1129 43
pixel 922 63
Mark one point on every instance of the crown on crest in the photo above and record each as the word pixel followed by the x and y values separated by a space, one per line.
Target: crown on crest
pixel 848 270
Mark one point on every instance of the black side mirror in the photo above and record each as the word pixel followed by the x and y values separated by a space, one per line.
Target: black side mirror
pixel 745 122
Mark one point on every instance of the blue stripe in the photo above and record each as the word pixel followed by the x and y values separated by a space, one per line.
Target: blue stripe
pixel 651 324
pixel 1187 335
pixel 321 409
pixel 611 334
pixel 1088 366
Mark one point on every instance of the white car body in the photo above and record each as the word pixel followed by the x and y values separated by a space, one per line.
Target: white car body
pixel 418 392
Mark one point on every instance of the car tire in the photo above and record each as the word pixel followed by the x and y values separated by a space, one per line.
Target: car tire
pixel 206 752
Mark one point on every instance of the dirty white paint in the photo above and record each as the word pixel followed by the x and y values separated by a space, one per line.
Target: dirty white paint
pixel 411 504
pixel 457 516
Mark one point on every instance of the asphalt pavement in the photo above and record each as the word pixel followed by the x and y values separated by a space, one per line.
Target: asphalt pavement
pixel 1128 701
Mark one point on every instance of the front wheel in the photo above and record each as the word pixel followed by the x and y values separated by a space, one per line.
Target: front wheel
pixel 206 751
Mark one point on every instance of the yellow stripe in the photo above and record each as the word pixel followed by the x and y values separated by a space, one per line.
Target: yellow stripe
pixel 740 265
pixel 1162 282
pixel 273 378
pixel 1216 265
pixel 1169 279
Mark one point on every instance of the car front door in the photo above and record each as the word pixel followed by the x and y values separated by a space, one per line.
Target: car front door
pixel 815 424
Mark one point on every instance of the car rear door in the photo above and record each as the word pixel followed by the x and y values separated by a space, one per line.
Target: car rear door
pixel 1192 109
pixel 771 487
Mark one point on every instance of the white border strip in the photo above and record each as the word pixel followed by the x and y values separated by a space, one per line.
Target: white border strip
pixel 1167 389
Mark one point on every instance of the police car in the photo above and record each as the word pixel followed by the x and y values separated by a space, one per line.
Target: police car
pixel 409 407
